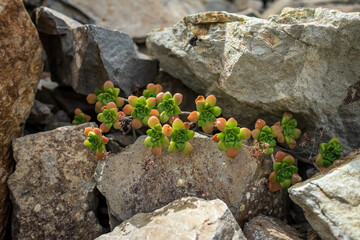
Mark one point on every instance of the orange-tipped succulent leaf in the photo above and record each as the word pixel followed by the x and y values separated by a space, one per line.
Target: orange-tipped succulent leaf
pixel 77 111
pixel 193 116
pixel 279 156
pixel 220 123
pixel 187 125
pixel 128 109
pixel 274 187
pixel 136 123
pixel 154 112
pixel 104 139
pixel 153 121
pixel 99 155
pixel 255 133
pixel 260 124
pixel 103 128
pixel 108 84
pixel 167 130
pixel 232 152
pixel 178 97
pixel 156 151
pixel 91 98
pixel 87 130
pixel 211 100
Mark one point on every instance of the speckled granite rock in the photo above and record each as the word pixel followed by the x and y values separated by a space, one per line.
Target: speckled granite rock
pixel 331 200
pixel 20 68
pixel 184 219
pixel 52 188
pixel 135 181
pixel 267 228
pixel 304 60
pixel 85 56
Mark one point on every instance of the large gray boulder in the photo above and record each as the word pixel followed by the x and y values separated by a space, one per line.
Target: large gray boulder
pixel 52 188
pixel 304 60
pixel 21 65
pixel 187 218
pixel 85 56
pixel 331 200
pixel 135 181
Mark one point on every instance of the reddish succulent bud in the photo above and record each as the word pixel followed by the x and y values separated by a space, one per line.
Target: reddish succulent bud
pixel 158 88
pixel 274 187
pixel 232 152
pixel 87 130
pixel 245 133
pixel 220 123
pixel 87 118
pixel 119 102
pixel 100 156
pixel 187 125
pixel 295 179
pixel 156 151
pixel 97 132
pixel 120 115
pixel 193 116
pixel 128 109
pixel 153 121
pixel 136 123
pixel 260 124
pixel 172 119
pixel 98 107
pixel 215 138
pixel 211 100
pixel 104 139
pixel 160 97
pixel 208 127
pixel 117 125
pixel 279 156
pixel 292 145
pixel 132 100
pixel 151 102
pixel 91 98
pixel 154 112
pixel 178 98
pixel 272 177
pixel 108 84
pixel 167 130
pixel 103 128
pixel 151 87
pixel 77 111
pixel 111 105
pixel 255 133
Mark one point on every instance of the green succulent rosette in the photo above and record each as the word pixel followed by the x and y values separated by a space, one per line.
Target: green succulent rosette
pixel 141 109
pixel 264 136
pixel 180 137
pixel 156 137
pixel 330 152
pixel 96 142
pixel 168 105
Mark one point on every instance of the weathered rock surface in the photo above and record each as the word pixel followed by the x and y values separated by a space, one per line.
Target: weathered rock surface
pixel 342 5
pixel 20 68
pixel 40 113
pixel 136 18
pixel 186 219
pixel 85 56
pixel 331 201
pixel 135 181
pixel 264 227
pixel 52 188
pixel 304 60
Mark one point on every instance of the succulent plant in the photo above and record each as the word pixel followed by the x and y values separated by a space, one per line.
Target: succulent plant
pixel 110 117
pixel 284 174
pixel 264 135
pixel 157 136
pixel 231 136
pixel 206 113
pixel 286 130
pixel 141 110
pixel 107 94
pixel 168 105
pixel 152 90
pixel 80 117
pixel 330 152
pixel 96 142
pixel 180 137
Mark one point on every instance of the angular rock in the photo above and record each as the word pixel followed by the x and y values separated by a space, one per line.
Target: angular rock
pixel 305 61
pixel 331 200
pixel 20 69
pixel 143 183
pixel 187 218
pixel 40 113
pixel 52 188
pixel 85 56
pixel 264 227
pixel 136 18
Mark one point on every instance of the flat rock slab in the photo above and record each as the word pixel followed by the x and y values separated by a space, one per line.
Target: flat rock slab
pixel 21 65
pixel 331 200
pixel 266 228
pixel 184 219
pixel 85 56
pixel 52 188
pixel 134 181
pixel 306 61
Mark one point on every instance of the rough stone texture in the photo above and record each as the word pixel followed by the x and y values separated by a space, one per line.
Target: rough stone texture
pixel 264 227
pixel 304 60
pixel 40 113
pixel 342 5
pixel 331 200
pixel 184 219
pixel 135 181
pixel 52 188
pixel 85 56
pixel 20 68
pixel 136 17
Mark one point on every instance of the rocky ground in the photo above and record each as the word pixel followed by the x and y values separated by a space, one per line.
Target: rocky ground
pixel 256 57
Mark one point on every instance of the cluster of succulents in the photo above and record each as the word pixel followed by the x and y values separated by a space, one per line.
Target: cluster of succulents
pixel 96 141
pixel 160 112
pixel 330 152
pixel 284 174
pixel 231 136
pixel 206 113
pixel 80 117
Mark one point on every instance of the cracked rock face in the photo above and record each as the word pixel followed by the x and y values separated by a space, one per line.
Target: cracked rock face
pixel 135 181
pixel 52 188
pixel 85 56
pixel 331 201
pixel 21 64
pixel 304 60
pixel 187 218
